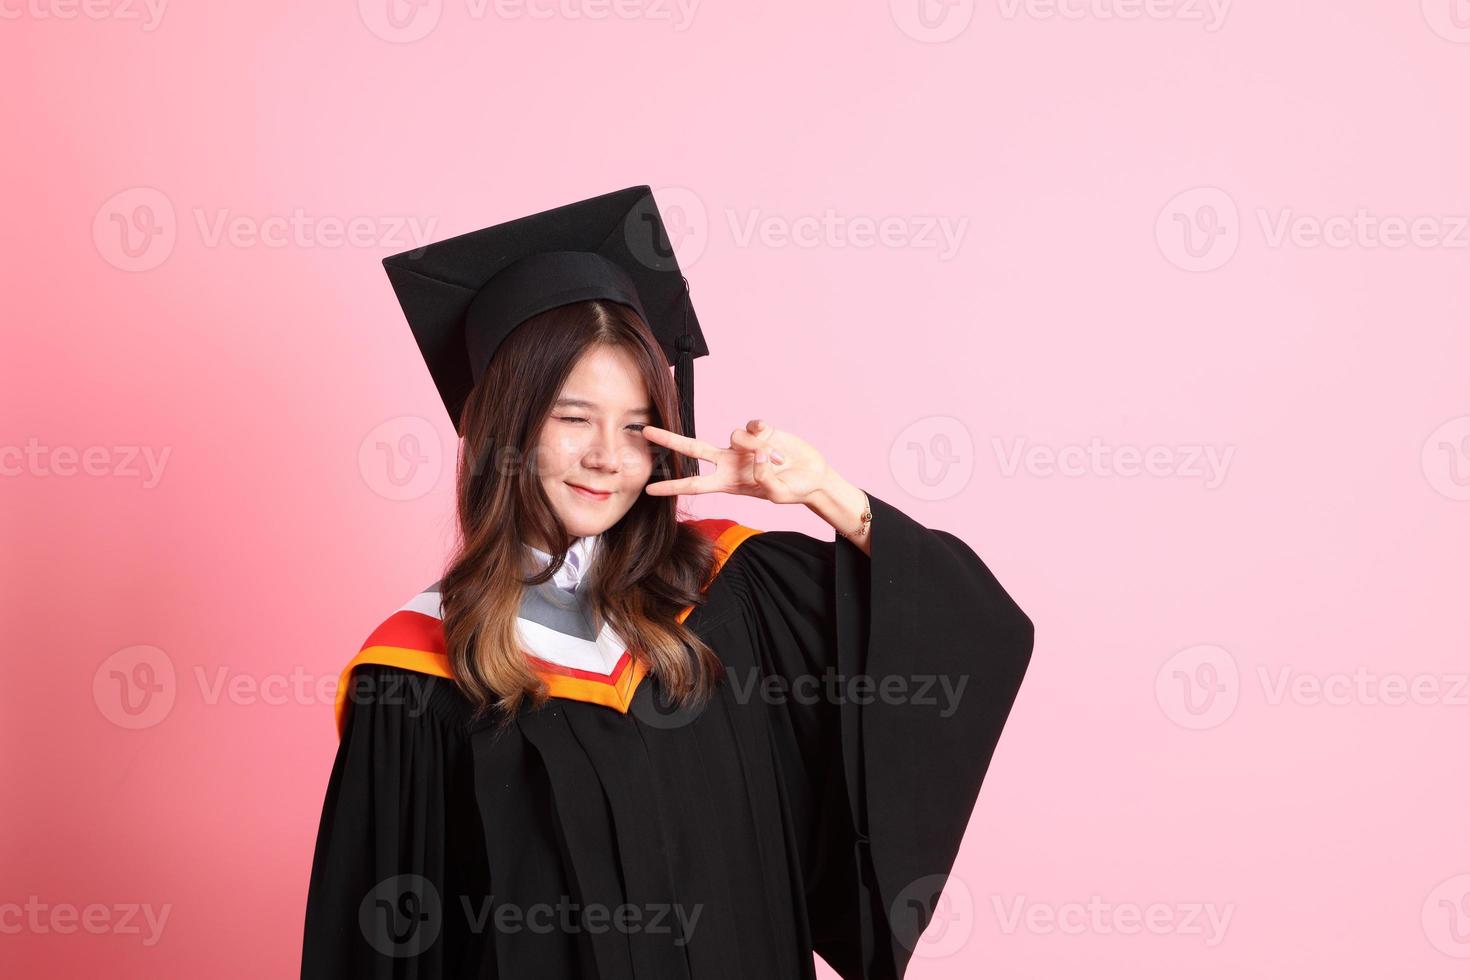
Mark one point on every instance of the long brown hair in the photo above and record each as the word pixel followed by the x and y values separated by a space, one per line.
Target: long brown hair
pixel 648 565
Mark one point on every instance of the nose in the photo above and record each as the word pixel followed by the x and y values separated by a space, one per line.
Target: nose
pixel 603 451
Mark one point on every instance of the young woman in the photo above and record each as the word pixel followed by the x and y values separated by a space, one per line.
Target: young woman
pixel 614 743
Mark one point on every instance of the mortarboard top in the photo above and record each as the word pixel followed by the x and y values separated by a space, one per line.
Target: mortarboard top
pixel 464 295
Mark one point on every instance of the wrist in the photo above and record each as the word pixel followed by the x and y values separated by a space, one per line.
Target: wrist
pixel 830 489
pixel 840 503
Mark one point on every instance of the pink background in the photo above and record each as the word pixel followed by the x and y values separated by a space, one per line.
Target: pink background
pixel 1247 695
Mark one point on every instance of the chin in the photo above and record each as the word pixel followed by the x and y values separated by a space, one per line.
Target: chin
pixel 581 527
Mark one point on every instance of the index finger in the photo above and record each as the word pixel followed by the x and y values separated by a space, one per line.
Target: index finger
pixel 697 448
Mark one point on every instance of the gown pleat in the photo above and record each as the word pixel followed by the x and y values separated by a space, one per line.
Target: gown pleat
pixel 694 864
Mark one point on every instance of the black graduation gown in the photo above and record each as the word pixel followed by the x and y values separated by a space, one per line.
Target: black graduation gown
pixel 779 820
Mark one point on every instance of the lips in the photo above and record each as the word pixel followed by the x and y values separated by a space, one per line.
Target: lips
pixel 590 494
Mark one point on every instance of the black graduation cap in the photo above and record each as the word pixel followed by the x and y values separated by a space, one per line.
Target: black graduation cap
pixel 464 295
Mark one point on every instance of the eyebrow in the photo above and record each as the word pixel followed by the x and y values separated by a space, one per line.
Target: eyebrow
pixel 583 403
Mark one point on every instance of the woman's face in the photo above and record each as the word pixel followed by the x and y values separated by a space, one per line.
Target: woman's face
pixel 591 442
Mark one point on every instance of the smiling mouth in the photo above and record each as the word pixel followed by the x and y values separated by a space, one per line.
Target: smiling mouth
pixel 591 494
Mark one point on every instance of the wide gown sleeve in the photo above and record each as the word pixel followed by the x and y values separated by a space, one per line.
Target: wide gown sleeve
pixel 901 766
pixel 399 850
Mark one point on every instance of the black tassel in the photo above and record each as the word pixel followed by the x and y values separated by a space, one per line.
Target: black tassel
pixel 684 381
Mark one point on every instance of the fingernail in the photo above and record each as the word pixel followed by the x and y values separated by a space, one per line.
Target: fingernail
pixel 760 457
pixel 777 457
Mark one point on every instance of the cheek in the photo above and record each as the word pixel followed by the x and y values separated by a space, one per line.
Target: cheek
pixel 556 453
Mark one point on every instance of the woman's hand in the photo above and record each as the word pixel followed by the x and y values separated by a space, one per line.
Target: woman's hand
pixel 760 462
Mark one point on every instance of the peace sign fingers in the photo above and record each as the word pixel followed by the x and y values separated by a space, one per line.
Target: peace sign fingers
pixel 693 448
